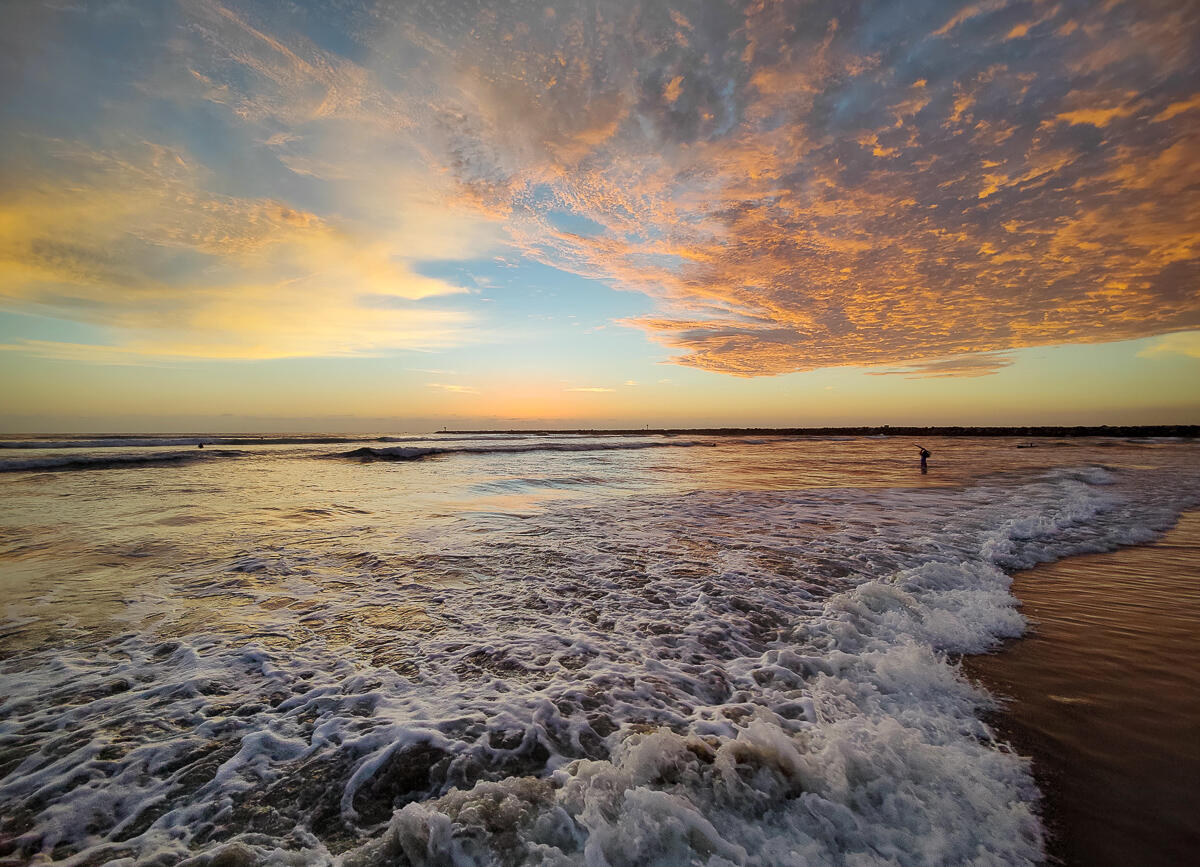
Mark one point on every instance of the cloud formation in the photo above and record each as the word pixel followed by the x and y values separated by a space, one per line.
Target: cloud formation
pixel 980 364
pixel 812 184
pixel 1182 343
pixel 452 388
pixel 798 184
pixel 180 222
pixel 135 244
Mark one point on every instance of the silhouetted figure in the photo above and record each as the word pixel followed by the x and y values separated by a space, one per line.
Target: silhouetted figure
pixel 199 445
pixel 925 453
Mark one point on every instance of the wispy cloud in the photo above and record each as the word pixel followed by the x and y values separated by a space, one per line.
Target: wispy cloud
pixel 89 353
pixel 133 242
pixel 453 388
pixel 593 389
pixel 1183 343
pixel 303 244
pixel 981 364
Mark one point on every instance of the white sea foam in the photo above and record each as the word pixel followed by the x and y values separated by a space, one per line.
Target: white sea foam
pixel 746 677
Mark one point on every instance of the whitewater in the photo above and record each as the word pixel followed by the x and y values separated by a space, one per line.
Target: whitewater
pixel 429 649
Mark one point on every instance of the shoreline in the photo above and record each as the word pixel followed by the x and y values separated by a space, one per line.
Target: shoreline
pixel 1103 694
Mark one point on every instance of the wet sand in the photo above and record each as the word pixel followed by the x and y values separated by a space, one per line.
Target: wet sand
pixel 1104 694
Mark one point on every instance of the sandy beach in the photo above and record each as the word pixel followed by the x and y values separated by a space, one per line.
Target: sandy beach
pixel 1105 696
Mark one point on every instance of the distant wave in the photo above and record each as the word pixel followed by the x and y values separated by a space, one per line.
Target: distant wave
pixel 135 441
pixel 485 437
pixel 109 462
pixel 147 442
pixel 416 453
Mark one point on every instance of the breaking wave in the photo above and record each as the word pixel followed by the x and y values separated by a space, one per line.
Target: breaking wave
pixel 416 453
pixel 111 461
pixel 135 441
pixel 169 441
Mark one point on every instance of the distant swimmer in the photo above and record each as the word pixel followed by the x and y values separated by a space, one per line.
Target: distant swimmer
pixel 925 453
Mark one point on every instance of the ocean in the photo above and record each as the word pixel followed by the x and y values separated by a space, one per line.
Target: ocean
pixel 511 649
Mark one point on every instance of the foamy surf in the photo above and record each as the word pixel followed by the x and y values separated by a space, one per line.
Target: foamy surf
pixel 716 677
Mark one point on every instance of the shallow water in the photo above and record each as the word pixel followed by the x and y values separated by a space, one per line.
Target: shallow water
pixel 608 651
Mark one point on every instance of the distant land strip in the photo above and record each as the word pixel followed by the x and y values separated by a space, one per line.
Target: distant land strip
pixel 1187 431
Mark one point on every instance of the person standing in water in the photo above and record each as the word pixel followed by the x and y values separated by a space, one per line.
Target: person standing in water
pixel 925 453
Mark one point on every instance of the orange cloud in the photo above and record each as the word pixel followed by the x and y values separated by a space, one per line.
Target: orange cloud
pixel 1096 116
pixel 980 364
pixel 800 203
pixel 1177 108
pixel 966 14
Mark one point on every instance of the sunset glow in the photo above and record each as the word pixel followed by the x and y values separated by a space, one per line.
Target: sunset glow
pixel 372 216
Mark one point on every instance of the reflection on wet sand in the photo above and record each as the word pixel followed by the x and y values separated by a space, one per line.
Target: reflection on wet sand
pixel 1105 695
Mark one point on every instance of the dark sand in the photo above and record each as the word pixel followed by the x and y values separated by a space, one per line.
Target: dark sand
pixel 1105 696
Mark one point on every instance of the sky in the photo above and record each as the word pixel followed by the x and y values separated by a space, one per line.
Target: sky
pixel 382 216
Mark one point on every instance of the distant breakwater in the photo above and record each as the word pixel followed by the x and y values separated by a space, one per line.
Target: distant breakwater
pixel 1184 431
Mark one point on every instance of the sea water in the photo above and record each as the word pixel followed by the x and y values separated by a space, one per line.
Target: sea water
pixel 510 649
